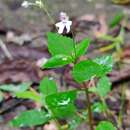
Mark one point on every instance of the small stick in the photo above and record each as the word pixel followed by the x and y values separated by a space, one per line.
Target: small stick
pixel 5 50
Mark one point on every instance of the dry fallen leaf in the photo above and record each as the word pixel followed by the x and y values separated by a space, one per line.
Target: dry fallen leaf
pixel 103 29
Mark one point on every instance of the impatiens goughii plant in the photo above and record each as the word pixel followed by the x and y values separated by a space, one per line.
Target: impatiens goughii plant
pixel 55 105
pixel 59 106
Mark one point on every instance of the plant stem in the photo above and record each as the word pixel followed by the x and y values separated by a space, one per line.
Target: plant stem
pixel 120 117
pixel 107 113
pixel 89 108
pixel 44 7
pixel 74 44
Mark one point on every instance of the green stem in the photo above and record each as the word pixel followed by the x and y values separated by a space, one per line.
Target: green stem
pixel 107 113
pixel 74 46
pixel 90 116
pixel 44 7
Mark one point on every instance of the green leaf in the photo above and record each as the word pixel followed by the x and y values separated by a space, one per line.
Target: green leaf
pixel 30 118
pixel 58 44
pixel 116 20
pixel 99 107
pixel 15 88
pixel 47 86
pixel 29 95
pixel 104 86
pixel 58 61
pixel 106 62
pixel 85 70
pixel 105 125
pixel 82 47
pixel 62 104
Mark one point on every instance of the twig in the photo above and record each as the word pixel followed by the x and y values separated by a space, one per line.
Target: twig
pixel 5 50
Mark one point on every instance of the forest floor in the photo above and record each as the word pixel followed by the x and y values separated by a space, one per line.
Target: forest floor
pixel 23 31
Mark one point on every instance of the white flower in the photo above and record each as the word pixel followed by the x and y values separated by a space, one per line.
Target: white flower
pixel 64 23
pixel 25 4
